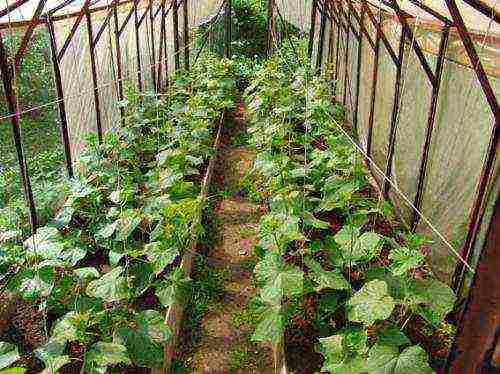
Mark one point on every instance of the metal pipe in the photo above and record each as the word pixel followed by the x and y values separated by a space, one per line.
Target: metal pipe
pixel 10 96
pixel 229 9
pixel 119 65
pixel 153 52
pixel 395 113
pixel 313 29
pixel 358 69
pixel 186 34
pixel 430 127
pixel 346 60
pixel 321 42
pixel 94 78
pixel 175 20
pixel 373 97
pixel 60 96
pixel 137 47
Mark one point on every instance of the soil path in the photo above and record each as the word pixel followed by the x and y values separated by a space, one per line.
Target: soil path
pixel 225 345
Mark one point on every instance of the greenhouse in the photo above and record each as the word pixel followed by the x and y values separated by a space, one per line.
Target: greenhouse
pixel 249 186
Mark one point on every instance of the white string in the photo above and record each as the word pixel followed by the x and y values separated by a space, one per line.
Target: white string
pixel 410 204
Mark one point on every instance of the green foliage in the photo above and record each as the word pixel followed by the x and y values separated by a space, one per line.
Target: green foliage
pixel 310 174
pixel 106 267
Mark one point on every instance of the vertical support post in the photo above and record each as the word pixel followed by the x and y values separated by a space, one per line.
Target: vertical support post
pixel 175 21
pixel 431 119
pixel 164 39
pixel 119 63
pixel 477 211
pixel 477 328
pixel 313 28
pixel 137 46
pixel 270 26
pixel 10 95
pixel 186 34
pixel 330 51
pixel 93 67
pixel 153 47
pixel 229 21
pixel 162 46
pixel 337 55
pixel 346 62
pixel 60 97
pixel 395 113
pixel 358 67
pixel 321 42
pixel 373 96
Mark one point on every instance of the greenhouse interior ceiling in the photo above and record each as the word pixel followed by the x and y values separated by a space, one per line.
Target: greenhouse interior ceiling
pixel 249 186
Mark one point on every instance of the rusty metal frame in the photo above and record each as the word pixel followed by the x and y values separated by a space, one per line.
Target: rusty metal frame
pixel 175 21
pixel 477 211
pixel 153 47
pixel 72 33
pixel 60 96
pixel 137 46
pixel 7 71
pixel 185 15
pixel 373 95
pixel 358 66
pixel 430 126
pixel 346 62
pixel 270 26
pixel 313 28
pixel 93 69
pixel 321 42
pixel 28 33
pixel 395 113
pixel 119 64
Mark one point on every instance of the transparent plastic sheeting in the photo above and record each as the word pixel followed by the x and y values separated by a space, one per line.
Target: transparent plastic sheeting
pixel 296 12
pixel 76 66
pixel 461 134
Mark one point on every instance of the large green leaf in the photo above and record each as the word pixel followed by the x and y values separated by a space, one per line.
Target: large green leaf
pixel 404 259
pixel 343 352
pixel 270 327
pixel 52 356
pixel 72 326
pixel 101 355
pixel 357 247
pixel 432 299
pixel 160 256
pixel 384 359
pixel 289 282
pixel 371 303
pixel 173 289
pixel 126 224
pixel 8 354
pixel 326 279
pixel 46 243
pixel 145 342
pixel 110 287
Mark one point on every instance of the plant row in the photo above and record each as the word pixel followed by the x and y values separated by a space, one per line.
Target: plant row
pixel 106 268
pixel 337 273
